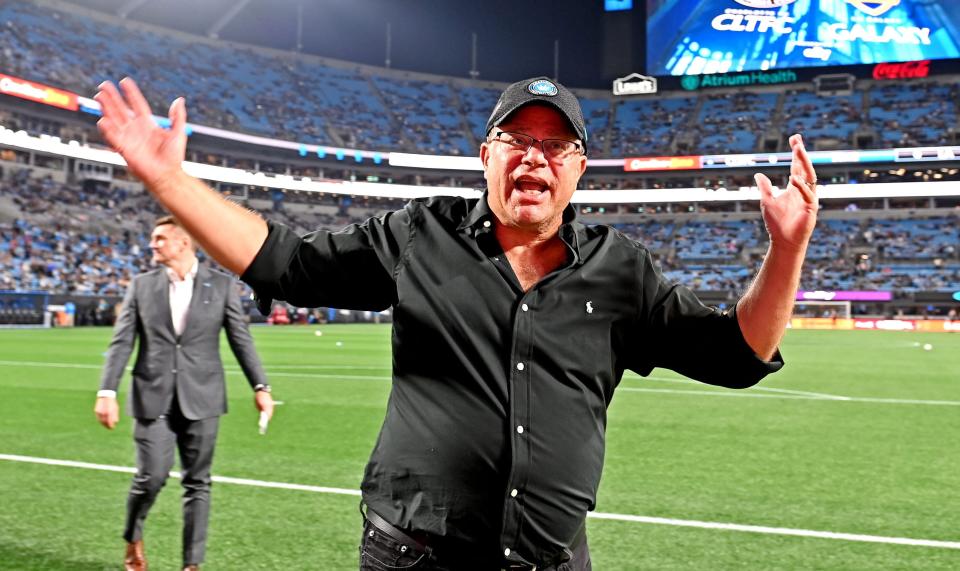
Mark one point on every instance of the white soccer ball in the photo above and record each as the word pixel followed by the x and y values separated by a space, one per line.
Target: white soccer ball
pixel 339 343
pixel 318 333
pixel 927 347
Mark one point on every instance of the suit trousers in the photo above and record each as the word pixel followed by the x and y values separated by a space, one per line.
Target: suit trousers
pixel 155 443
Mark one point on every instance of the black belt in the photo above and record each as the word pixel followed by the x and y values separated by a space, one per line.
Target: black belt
pixel 395 532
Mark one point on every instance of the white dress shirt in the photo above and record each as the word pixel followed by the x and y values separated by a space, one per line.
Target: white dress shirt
pixel 181 292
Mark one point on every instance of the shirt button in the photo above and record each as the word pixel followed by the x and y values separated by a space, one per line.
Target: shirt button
pixel 519 366
pixel 520 429
pixel 506 552
pixel 513 493
pixel 174 371
pixel 525 307
pixel 486 223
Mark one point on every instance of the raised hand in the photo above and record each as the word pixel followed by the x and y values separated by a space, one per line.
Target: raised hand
pixel 151 151
pixel 791 216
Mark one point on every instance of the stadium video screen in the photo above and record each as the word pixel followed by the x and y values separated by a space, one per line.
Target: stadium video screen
pixel 692 37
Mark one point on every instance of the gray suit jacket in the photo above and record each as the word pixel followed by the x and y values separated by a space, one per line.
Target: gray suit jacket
pixel 189 366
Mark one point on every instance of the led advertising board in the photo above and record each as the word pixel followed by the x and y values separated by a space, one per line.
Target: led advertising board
pixel 694 37
pixel 617 5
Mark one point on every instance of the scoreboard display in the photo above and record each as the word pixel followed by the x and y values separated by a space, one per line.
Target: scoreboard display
pixel 693 37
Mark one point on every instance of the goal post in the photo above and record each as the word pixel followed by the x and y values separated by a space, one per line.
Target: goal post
pixel 821 308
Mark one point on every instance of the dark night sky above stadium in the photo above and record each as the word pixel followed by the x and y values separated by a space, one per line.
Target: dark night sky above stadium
pixel 515 37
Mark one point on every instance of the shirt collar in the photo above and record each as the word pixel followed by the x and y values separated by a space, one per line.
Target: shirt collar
pixel 571 231
pixel 192 274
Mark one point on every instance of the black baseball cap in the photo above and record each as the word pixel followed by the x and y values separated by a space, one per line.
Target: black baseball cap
pixel 539 90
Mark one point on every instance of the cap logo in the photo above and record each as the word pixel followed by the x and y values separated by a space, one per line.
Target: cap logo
pixel 543 87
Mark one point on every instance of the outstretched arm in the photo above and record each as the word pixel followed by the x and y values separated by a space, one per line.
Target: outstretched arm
pixel 241 343
pixel 764 311
pixel 231 234
pixel 121 345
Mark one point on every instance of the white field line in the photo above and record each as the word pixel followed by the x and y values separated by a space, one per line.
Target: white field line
pixel 746 394
pixel 790 395
pixel 594 515
pixel 175 474
pixel 51 365
pixel 780 531
pixel 801 393
pixel 754 388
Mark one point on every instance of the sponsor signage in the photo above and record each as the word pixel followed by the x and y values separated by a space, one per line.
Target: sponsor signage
pixel 874 7
pixel 617 5
pixel 844 295
pixel 762 160
pixel 905 70
pixel 635 84
pixel 697 37
pixel 695 82
pixel 38 92
pixel 662 164
pixel 885 324
pixel 925 326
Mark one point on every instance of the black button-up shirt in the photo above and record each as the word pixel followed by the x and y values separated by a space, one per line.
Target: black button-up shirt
pixel 494 430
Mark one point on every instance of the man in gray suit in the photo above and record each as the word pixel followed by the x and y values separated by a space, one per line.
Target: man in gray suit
pixel 178 391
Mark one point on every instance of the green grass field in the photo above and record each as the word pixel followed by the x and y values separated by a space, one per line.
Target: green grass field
pixel 884 461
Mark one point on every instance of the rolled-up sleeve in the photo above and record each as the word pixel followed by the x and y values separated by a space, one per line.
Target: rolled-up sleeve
pixel 677 331
pixel 354 268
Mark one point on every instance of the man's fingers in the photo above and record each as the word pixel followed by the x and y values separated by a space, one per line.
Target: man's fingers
pixel 112 104
pixel 765 186
pixel 134 97
pixel 106 420
pixel 802 165
pixel 178 115
pixel 807 191
pixel 109 131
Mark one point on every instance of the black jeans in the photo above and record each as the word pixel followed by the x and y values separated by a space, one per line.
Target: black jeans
pixel 380 552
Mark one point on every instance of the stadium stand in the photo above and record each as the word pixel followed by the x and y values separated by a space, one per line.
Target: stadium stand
pixel 734 121
pixel 915 115
pixel 823 117
pixel 647 127
pixel 69 238
pixel 78 237
pixel 311 99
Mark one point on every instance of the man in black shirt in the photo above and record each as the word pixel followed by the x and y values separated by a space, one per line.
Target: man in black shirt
pixel 513 324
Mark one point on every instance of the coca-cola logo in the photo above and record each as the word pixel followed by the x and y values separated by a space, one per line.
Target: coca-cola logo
pixel 906 70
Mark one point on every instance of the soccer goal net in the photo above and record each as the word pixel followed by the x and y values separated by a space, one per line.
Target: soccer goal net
pixel 839 309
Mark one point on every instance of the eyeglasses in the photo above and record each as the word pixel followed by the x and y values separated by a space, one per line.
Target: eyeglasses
pixel 552 148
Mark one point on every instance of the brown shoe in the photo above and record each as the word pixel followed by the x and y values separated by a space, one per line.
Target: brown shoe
pixel 135 560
